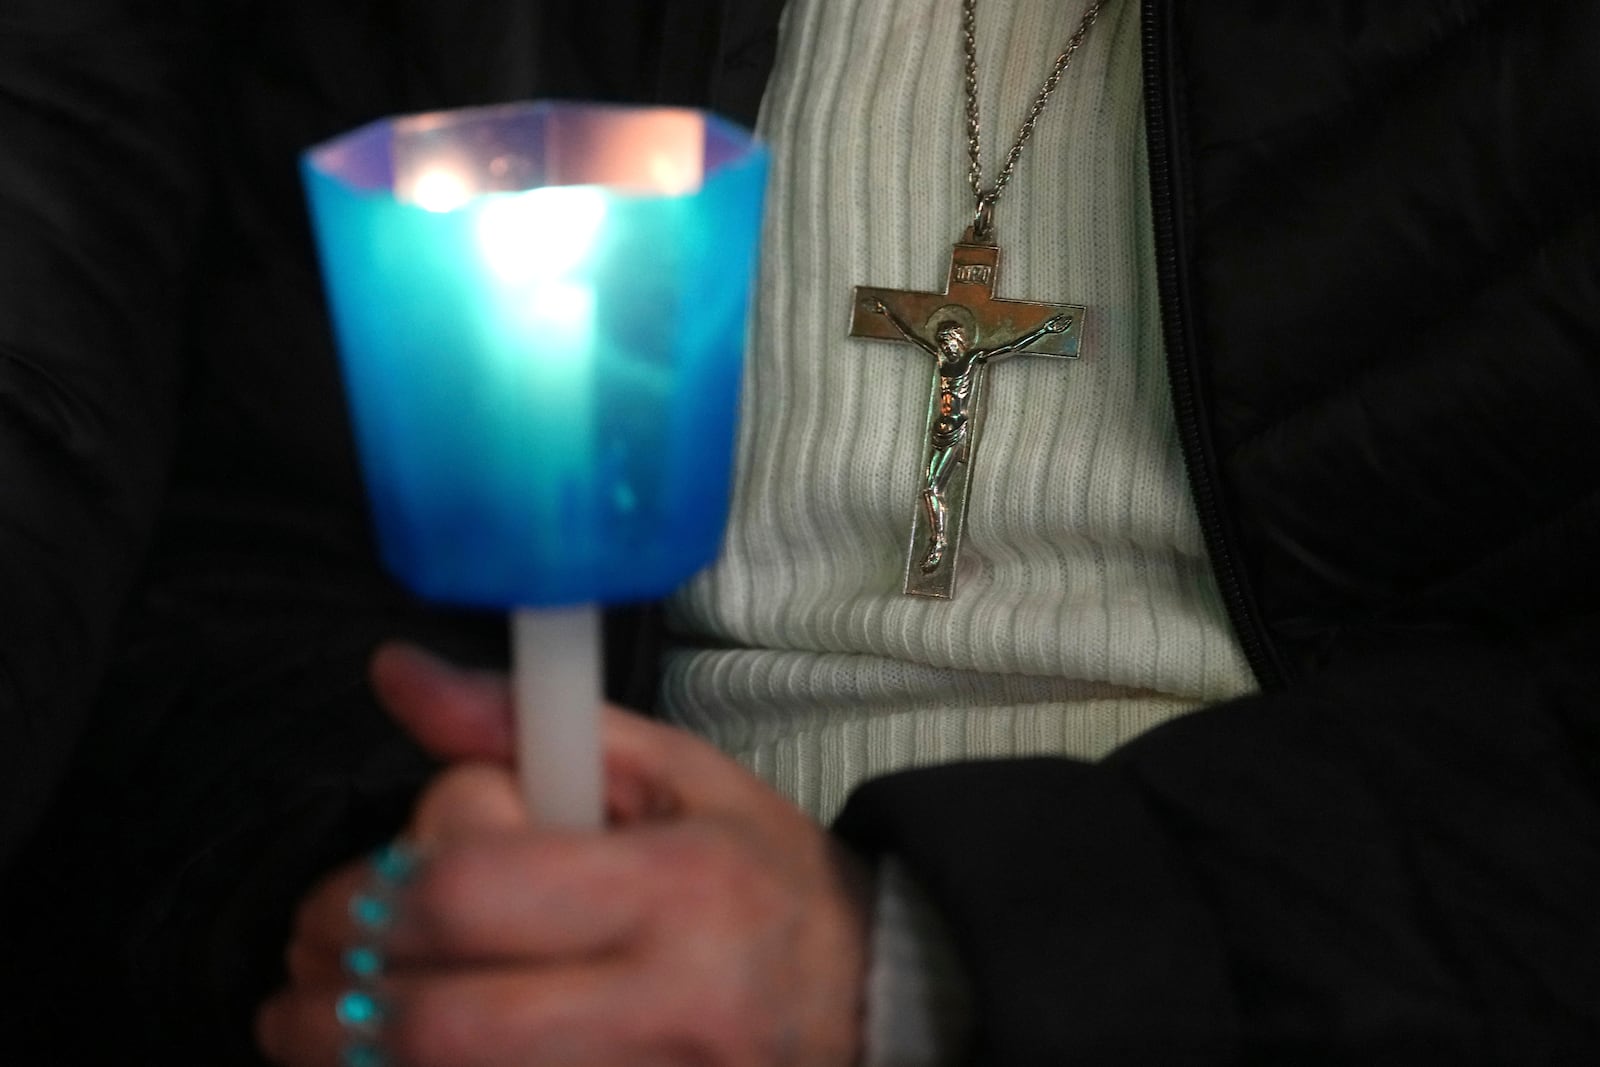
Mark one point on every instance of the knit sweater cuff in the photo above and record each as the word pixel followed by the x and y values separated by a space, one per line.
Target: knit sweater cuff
pixel 919 1007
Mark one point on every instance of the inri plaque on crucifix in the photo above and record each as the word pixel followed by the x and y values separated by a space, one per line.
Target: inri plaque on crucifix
pixel 965 328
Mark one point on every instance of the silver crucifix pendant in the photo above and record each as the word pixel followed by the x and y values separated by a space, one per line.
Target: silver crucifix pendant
pixel 965 328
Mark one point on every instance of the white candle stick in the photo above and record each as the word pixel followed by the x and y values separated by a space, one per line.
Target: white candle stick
pixel 557 691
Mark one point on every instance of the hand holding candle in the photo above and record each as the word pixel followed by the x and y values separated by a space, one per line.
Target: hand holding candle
pixel 714 923
pixel 541 315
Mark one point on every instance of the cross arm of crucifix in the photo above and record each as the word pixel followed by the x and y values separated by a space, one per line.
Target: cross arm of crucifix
pixel 993 326
pixel 1058 324
pixel 905 330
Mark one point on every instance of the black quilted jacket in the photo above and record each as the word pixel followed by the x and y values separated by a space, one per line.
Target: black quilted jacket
pixel 1380 265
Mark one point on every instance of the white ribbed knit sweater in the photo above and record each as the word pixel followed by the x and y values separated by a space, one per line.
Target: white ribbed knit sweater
pixel 1086 611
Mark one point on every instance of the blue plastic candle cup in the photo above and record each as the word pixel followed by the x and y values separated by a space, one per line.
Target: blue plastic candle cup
pixel 541 314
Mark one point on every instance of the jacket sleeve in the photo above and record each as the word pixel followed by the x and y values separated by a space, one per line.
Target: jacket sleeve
pixel 1395 862
pixel 99 195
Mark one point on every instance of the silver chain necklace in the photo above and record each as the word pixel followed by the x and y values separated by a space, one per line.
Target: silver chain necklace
pixel 985 199
pixel 966 328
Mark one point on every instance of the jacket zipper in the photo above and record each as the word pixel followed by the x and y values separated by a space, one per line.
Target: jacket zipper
pixel 1198 457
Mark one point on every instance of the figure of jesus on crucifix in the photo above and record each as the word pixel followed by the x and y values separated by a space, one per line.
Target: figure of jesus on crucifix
pixel 958 363
pixel 964 329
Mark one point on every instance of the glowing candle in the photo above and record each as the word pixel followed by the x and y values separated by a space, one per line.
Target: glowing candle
pixel 541 311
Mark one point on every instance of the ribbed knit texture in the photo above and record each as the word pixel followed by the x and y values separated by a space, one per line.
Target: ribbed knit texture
pixel 919 1003
pixel 1086 612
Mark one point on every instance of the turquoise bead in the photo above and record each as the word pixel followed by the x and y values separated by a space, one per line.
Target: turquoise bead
pixel 363 1055
pixel 394 863
pixel 363 962
pixel 371 912
pixel 360 1010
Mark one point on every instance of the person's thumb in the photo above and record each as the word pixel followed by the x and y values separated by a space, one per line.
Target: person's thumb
pixel 658 771
pixel 454 713
pixel 466 715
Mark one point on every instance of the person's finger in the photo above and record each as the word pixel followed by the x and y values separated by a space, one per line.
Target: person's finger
pixel 510 899
pixel 668 771
pixel 501 900
pixel 562 1017
pixel 743 933
pixel 454 713
pixel 470 799
pixel 460 714
pixel 637 787
pixel 324 926
pixel 313 964
pixel 300 1027
pixel 532 898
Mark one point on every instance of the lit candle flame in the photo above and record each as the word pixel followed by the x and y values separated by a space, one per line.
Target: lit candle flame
pixel 440 189
pixel 540 235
